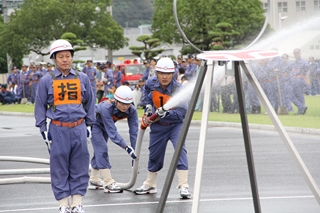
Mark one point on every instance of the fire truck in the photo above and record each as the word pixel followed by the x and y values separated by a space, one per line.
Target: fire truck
pixel 131 70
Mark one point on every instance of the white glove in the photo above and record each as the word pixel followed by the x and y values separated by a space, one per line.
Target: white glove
pixel 131 152
pixel 89 134
pixel 47 139
pixel 162 113
pixel 148 110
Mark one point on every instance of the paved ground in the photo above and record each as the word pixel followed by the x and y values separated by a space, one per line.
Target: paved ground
pixel 225 182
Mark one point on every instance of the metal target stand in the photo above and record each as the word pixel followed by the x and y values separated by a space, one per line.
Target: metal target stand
pixel 208 62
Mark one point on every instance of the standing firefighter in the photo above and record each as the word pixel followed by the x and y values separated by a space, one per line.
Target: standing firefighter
pixel 157 91
pixel 65 96
pixel 108 113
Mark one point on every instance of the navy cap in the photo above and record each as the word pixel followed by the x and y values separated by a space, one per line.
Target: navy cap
pixel 102 66
pixel 98 63
pixel 190 56
pixel 141 80
pixel 125 83
pixel 4 86
pixel 109 62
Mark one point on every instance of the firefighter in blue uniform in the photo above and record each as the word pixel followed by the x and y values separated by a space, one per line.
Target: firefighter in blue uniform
pixel 13 80
pixel 65 97
pixel 24 80
pixel 108 78
pixel 145 75
pixel 35 76
pixel 300 70
pixel 107 114
pixel 6 97
pixel 91 72
pixel 157 91
pixel 191 68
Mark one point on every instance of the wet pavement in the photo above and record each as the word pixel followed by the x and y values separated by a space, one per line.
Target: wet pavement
pixel 225 179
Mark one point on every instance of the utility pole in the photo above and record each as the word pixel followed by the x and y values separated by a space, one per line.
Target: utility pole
pixel 110 56
pixel 6 20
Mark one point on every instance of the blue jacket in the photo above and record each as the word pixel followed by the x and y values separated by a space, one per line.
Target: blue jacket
pixel 108 115
pixel 177 114
pixel 63 112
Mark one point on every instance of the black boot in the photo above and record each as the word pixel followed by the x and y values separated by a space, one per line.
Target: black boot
pixel 253 109
pixel 258 110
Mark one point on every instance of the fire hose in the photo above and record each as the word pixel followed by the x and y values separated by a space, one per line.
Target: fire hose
pixel 135 170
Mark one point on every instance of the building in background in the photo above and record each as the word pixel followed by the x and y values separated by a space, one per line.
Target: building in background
pixel 297 26
pixel 283 15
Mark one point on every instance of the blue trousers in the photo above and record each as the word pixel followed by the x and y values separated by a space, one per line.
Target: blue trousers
pixel 159 137
pixel 69 160
pixel 100 159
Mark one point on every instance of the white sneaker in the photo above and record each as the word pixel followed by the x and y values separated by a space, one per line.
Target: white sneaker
pixel 64 209
pixel 184 193
pixel 113 188
pixel 95 185
pixel 77 209
pixel 145 190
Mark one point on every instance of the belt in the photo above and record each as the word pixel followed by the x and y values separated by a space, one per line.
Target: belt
pixel 68 124
pixel 92 80
pixel 164 123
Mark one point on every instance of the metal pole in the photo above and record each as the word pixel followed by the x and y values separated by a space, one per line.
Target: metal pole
pixel 110 55
pixel 182 137
pixel 282 132
pixel 202 139
pixel 246 137
pixel 6 20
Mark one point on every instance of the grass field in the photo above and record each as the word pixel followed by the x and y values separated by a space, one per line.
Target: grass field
pixel 310 120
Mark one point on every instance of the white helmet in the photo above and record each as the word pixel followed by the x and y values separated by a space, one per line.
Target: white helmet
pixel 60 45
pixel 124 94
pixel 165 65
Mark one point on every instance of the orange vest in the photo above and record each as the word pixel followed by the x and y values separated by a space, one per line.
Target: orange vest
pixel 159 99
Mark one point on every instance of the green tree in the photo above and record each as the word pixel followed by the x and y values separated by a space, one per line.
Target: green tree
pixel 204 20
pixel 16 59
pixel 149 48
pixel 39 22
pixel 76 43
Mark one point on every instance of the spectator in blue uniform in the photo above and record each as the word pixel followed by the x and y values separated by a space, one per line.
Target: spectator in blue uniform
pixel 107 114
pixel 191 69
pixel 6 97
pixel 157 91
pixel 35 76
pixel 49 67
pixel 108 78
pixel 314 72
pixel 117 76
pixel 100 84
pixel 13 80
pixel 42 70
pixel 91 72
pixel 23 88
pixel 145 75
pixel 300 69
pixel 65 97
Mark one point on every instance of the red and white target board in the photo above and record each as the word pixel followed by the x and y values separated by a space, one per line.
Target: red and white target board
pixel 238 55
